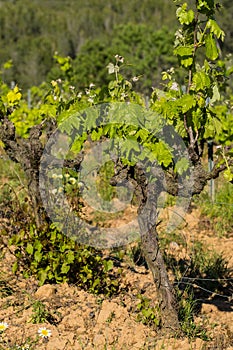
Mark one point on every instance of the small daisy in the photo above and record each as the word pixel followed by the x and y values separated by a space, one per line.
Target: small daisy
pixel 3 326
pixel 44 332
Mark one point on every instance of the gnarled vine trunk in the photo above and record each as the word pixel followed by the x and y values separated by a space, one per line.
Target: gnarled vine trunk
pixel 147 218
pixel 28 153
pixel 150 245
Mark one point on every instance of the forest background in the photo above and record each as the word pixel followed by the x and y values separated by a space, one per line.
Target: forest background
pixel 92 33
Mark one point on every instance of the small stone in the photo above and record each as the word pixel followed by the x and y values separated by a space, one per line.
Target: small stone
pixel 46 291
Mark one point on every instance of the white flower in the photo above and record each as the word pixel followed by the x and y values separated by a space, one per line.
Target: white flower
pixel 54 176
pixel 79 95
pixel 91 100
pixel 91 85
pixel 67 175
pixel 111 68
pixel 135 79
pixel 72 180
pixel 119 58
pixel 3 326
pixel 175 86
pixel 44 332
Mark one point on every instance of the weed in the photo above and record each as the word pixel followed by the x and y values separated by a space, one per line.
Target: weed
pixel 165 239
pixel 147 314
pixel 219 212
pixel 40 313
pixel 208 269
pixel 110 317
pixel 201 275
pixel 204 271
pixel 186 312
pixel 53 257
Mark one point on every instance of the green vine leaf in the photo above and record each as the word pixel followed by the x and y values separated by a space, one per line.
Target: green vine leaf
pixel 211 47
pixel 185 55
pixel 184 16
pixel 215 29
pixel 187 102
pixel 228 175
pixel 201 81
pixel 162 154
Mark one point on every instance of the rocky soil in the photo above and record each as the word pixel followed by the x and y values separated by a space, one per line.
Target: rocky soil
pixel 79 320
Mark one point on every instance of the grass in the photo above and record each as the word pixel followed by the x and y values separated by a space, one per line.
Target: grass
pixel 217 216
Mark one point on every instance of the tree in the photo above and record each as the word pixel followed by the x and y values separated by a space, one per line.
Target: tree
pixel 194 111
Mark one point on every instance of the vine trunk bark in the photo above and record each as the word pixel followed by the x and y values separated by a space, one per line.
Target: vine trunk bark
pixel 150 245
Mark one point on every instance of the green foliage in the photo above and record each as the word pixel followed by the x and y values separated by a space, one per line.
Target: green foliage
pixel 196 108
pixel 187 308
pixel 219 212
pixel 92 34
pixel 55 258
pixel 73 29
pixel 147 314
pixel 199 277
pixel 205 273
pixel 40 314
pixel 207 263
pixel 133 42
pixel 104 188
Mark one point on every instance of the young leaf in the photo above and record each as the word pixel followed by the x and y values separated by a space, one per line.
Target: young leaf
pixel 38 256
pixel 211 47
pixel 29 248
pixel 108 265
pixel 201 81
pixel 216 95
pixel 65 268
pixel 215 29
pixel 111 68
pixel 14 96
pixel 184 16
pixel 228 175
pixel 186 102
